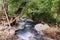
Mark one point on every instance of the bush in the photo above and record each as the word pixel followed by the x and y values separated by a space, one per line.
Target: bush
pixel 45 10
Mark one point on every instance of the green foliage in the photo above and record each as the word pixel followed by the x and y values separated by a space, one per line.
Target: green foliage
pixel 54 9
pixel 42 10
pixel 0 4
pixel 13 6
pixel 45 10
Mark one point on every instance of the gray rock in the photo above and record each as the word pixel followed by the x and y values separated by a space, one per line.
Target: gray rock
pixel 12 31
pixel 40 27
pixel 47 38
pixel 3 27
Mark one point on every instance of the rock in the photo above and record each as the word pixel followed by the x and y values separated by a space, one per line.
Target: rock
pixel 40 27
pixel 12 31
pixel 41 33
pixel 58 32
pixel 47 38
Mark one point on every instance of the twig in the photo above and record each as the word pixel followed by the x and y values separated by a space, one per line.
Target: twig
pixel 11 21
pixel 7 19
pixel 4 8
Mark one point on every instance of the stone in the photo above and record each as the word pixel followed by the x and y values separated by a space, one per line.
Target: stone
pixel 40 27
pixel 47 38
pixel 12 31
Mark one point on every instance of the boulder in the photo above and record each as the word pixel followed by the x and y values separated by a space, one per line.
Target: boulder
pixel 40 27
